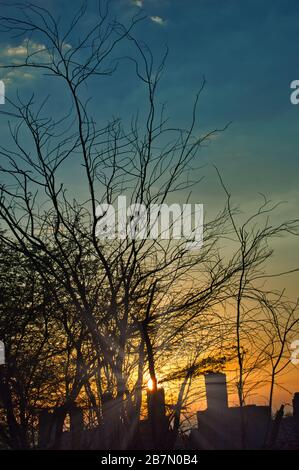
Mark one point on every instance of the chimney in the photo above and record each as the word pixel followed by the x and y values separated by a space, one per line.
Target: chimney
pixel 216 392
pixel 296 406
pixel 157 419
pixel 156 404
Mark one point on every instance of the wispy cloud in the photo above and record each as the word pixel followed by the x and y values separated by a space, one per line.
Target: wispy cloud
pixel 11 55
pixel 27 47
pixel 154 18
pixel 138 3
pixel 158 20
pixel 16 75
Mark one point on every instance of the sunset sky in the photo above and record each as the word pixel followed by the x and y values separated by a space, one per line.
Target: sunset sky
pixel 248 53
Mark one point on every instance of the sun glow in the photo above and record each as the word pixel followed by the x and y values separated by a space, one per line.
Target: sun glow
pixel 150 385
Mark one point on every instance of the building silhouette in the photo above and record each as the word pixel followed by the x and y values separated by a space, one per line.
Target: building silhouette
pixel 246 427
pixel 218 427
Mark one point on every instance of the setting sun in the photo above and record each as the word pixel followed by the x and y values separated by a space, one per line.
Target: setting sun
pixel 150 384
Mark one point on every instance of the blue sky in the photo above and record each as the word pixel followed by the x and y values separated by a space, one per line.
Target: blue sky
pixel 248 52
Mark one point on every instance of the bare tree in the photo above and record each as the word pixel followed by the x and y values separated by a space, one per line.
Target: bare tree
pixel 121 304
